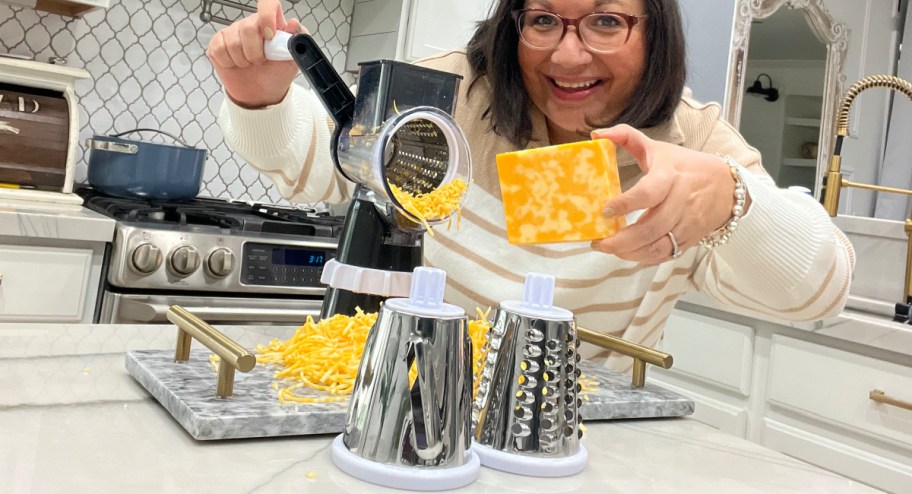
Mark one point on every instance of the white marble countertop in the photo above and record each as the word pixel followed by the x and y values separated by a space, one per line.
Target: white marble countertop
pixel 56 221
pixel 72 420
pixel 870 329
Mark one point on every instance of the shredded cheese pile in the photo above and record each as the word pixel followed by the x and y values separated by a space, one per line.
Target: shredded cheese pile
pixel 438 203
pixel 321 355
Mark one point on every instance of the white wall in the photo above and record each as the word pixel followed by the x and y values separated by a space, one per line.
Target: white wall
pixel 708 30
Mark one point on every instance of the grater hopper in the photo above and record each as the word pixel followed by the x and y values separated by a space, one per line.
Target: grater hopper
pixel 412 431
pixel 525 414
pixel 398 131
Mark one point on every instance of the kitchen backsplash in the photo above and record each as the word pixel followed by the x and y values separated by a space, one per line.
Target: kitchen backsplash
pixel 149 69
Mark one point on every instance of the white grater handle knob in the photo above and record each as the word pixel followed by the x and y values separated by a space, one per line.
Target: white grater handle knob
pixel 539 291
pixel 538 299
pixel 428 285
pixel 426 296
pixel 276 49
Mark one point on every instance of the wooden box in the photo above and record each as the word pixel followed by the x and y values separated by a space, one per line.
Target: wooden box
pixel 39 131
pixel 34 137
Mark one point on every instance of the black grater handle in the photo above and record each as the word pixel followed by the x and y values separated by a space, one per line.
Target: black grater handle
pixel 335 95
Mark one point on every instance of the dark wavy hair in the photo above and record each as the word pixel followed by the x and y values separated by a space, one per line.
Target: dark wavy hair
pixel 492 53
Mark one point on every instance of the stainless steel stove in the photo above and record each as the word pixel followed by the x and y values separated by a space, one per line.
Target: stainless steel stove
pixel 227 262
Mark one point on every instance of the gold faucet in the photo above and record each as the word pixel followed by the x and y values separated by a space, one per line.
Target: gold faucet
pixel 834 181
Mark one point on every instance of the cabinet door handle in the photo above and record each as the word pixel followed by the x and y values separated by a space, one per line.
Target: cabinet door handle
pixel 1 279
pixel 881 397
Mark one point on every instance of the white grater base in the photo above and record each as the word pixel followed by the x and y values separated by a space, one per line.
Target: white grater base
pixel 532 466
pixel 413 479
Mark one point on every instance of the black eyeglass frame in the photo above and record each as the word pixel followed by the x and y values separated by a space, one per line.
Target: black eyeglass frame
pixel 630 19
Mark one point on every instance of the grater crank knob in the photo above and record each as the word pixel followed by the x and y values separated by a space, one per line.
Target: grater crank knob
pixel 276 49
pixel 538 299
pixel 539 291
pixel 428 285
pixel 426 296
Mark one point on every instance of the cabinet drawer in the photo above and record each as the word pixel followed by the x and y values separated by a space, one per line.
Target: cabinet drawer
pixel 833 385
pixel 710 350
pixel 43 283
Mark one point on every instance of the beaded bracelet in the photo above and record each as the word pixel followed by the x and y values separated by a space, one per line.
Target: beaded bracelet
pixel 724 233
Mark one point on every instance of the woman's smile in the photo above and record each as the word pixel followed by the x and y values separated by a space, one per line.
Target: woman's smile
pixel 573 89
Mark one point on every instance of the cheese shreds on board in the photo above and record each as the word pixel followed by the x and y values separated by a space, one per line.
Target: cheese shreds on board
pixel 438 203
pixel 321 355
pixel 325 355
pixel 556 193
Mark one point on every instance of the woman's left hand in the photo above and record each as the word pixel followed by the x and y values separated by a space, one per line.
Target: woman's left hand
pixel 685 192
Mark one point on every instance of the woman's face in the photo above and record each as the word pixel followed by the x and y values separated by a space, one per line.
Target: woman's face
pixel 570 82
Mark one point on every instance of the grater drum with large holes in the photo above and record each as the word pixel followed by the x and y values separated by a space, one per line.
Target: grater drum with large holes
pixel 526 408
pixel 398 130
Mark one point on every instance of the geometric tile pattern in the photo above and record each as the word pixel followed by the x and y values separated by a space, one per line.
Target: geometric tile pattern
pixel 149 68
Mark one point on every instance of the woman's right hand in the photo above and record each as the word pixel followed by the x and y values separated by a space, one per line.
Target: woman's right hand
pixel 239 59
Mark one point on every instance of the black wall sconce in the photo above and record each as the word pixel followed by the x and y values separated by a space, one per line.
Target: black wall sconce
pixel 769 93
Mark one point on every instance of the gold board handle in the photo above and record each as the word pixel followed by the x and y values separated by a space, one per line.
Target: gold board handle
pixel 881 397
pixel 641 355
pixel 232 356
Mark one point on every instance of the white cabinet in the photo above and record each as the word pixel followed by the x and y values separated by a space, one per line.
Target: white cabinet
pixel 712 366
pixel 410 29
pixel 820 410
pixel 826 384
pixel 51 258
pixel 47 284
pixel 71 8
pixel 794 391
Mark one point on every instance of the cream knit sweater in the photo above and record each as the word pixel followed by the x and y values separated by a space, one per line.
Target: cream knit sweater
pixel 786 259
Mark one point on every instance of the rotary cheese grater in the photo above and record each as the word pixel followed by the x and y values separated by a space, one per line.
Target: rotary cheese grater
pixel 399 130
pixel 526 408
pixel 412 431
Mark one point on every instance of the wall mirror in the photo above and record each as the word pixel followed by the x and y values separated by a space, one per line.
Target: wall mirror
pixel 782 92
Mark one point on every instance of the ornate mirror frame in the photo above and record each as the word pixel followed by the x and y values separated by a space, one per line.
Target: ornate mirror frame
pixel 831 33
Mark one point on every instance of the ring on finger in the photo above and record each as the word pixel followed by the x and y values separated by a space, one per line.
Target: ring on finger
pixel 676 252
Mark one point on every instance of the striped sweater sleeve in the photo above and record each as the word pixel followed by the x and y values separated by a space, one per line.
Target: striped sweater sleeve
pixel 786 259
pixel 289 142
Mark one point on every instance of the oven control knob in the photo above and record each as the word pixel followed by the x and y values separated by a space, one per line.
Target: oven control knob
pixel 146 258
pixel 220 262
pixel 184 260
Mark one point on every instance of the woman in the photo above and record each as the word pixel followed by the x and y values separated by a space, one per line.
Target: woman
pixel 542 72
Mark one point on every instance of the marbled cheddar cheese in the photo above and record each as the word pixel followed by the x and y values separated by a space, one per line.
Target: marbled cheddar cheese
pixel 556 193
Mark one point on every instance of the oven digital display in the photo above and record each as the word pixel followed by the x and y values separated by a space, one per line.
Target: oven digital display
pixel 283 265
pixel 284 256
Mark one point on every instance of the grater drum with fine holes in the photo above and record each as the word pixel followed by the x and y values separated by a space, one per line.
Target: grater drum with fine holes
pixel 399 130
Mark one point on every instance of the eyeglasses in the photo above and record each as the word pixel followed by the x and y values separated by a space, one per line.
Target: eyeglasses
pixel 602 32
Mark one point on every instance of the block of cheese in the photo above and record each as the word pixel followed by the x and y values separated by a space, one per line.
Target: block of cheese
pixel 556 193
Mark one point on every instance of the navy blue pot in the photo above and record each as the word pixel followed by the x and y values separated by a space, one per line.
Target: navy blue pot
pixel 138 169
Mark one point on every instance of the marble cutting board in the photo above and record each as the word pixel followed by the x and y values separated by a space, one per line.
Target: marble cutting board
pixel 187 391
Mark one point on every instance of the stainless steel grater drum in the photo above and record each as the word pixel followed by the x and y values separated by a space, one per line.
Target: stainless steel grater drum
pixel 399 131
pixel 526 408
pixel 413 432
